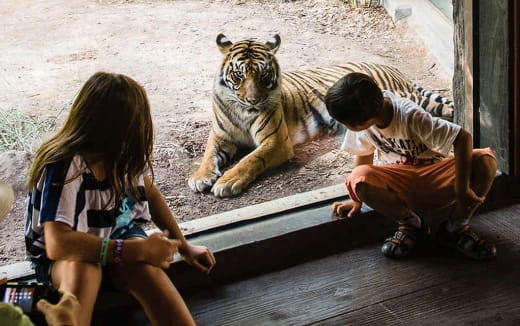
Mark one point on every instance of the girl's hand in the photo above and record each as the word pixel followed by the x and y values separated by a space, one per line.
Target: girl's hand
pixel 346 209
pixel 198 256
pixel 160 249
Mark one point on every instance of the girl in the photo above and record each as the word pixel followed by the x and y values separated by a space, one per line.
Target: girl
pixel 90 185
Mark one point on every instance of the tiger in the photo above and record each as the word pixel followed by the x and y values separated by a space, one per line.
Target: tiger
pixel 256 106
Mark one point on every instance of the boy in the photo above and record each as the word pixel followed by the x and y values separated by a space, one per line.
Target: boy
pixel 416 173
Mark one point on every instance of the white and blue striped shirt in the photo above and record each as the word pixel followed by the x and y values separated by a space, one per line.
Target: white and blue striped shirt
pixel 68 192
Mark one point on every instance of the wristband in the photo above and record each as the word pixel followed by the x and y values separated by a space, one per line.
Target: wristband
pixel 118 248
pixel 103 251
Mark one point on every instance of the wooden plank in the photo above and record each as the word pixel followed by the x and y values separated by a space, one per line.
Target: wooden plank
pixel 490 301
pixel 363 278
pixel 252 212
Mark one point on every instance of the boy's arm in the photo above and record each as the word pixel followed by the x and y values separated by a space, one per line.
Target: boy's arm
pixel 350 208
pixel 463 148
pixel 360 160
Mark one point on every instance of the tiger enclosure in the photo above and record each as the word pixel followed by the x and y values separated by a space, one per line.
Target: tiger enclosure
pixel 49 48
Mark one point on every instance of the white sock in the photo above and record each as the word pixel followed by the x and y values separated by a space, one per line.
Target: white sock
pixel 455 223
pixel 413 220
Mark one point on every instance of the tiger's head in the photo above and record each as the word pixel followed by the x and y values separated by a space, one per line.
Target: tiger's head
pixel 250 73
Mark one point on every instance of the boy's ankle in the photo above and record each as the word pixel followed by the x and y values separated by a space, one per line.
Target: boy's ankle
pixel 454 224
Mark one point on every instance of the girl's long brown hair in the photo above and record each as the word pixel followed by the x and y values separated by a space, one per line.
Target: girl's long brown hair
pixel 109 118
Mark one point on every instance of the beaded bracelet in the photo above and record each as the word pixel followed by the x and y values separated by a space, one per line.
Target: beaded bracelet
pixel 103 251
pixel 118 248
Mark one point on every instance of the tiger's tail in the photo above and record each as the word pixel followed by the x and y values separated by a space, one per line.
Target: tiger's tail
pixel 434 103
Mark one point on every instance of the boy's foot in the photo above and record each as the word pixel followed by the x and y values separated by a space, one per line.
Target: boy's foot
pixel 467 242
pixel 403 241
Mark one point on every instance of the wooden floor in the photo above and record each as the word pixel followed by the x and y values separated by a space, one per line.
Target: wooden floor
pixel 362 287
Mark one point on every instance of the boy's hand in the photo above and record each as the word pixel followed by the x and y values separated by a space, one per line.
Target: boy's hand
pixel 198 256
pixel 160 249
pixel 346 209
pixel 468 199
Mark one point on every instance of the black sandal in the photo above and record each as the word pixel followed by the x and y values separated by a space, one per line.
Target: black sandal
pixel 467 242
pixel 403 241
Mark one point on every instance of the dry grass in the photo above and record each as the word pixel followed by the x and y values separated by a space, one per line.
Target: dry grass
pixel 21 131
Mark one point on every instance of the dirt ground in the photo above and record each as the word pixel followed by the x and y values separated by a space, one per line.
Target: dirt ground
pixel 50 47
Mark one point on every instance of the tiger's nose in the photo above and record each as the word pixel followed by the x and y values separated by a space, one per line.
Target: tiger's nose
pixel 252 100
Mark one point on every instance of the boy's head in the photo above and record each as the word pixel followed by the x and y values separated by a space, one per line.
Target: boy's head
pixel 354 99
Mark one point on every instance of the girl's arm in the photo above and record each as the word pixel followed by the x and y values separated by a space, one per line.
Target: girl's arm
pixel 161 213
pixel 199 256
pixel 63 243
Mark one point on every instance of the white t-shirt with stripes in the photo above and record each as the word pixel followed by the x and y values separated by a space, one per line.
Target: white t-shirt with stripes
pixel 68 192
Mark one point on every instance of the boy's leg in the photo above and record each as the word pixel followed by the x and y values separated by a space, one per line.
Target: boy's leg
pixel 483 171
pixel 374 186
pixel 153 289
pixel 456 232
pixel 83 280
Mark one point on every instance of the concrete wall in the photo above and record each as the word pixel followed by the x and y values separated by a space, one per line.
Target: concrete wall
pixel 431 25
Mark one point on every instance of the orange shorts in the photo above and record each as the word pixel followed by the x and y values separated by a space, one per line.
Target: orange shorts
pixel 425 186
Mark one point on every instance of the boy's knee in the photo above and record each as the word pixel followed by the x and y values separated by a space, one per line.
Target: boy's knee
pixel 364 170
pixel 361 189
pixel 485 166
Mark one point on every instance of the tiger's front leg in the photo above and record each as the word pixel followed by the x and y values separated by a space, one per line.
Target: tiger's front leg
pixel 218 152
pixel 274 148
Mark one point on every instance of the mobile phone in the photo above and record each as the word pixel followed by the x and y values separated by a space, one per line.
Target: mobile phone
pixel 26 294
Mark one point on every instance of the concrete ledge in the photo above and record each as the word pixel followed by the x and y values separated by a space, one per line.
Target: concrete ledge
pixel 397 9
pixel 431 26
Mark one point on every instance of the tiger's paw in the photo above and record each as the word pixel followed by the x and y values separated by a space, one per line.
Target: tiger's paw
pixel 230 186
pixel 201 182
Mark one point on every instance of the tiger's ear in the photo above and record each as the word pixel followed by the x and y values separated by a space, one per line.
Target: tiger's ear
pixel 274 44
pixel 223 43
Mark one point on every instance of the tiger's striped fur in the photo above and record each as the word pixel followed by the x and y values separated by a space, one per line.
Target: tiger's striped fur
pixel 257 106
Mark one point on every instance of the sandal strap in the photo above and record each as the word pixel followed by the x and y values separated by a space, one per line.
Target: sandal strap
pixel 466 241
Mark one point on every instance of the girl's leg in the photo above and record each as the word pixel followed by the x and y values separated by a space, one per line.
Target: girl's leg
pixel 83 280
pixel 156 293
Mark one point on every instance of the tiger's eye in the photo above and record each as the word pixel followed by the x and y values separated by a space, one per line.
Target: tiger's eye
pixel 238 74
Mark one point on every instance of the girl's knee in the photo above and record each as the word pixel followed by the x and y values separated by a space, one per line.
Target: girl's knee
pixel 131 275
pixel 75 273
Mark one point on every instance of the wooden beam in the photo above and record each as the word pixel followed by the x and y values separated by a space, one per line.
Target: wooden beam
pixel 515 30
pixel 261 210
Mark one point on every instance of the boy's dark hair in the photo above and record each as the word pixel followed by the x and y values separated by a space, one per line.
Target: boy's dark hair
pixel 354 99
